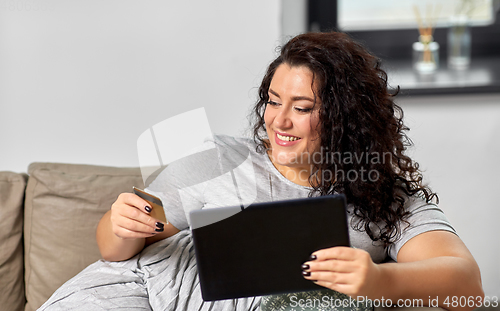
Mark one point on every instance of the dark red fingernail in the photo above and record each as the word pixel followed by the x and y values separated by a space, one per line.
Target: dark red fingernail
pixel 160 225
pixel 159 229
pixel 306 273
pixel 305 267
pixel 148 209
pixel 313 257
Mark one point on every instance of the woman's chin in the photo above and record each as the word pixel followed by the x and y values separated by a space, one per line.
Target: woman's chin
pixel 283 159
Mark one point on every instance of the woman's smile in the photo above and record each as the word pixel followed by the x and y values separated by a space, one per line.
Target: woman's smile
pixel 284 139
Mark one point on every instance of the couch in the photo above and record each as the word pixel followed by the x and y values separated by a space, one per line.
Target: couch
pixel 48 219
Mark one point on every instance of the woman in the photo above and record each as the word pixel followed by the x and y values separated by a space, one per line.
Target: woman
pixel 325 123
pixel 357 121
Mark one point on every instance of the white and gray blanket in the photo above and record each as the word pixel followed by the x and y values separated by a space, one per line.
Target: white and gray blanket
pixel 155 279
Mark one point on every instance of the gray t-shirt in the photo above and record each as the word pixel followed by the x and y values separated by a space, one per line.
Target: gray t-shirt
pixel 228 171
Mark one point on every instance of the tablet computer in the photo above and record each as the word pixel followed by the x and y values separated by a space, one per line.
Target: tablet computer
pixel 259 250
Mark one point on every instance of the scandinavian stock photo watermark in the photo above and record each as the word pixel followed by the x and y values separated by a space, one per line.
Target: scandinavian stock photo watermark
pixel 362 164
pixel 155 151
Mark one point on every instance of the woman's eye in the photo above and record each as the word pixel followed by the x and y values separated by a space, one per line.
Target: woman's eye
pixel 303 110
pixel 272 103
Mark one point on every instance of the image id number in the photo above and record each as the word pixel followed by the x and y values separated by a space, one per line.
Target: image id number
pixel 471 301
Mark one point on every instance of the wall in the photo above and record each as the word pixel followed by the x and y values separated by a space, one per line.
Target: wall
pixel 81 80
pixel 457 145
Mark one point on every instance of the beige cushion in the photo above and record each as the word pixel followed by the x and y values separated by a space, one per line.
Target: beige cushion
pixel 64 203
pixel 12 188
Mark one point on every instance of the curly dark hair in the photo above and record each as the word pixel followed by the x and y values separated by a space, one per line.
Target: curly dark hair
pixel 361 130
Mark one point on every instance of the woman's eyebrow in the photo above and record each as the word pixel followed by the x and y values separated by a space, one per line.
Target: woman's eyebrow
pixel 274 93
pixel 294 98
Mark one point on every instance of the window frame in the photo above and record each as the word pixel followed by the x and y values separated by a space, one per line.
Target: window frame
pixel 396 44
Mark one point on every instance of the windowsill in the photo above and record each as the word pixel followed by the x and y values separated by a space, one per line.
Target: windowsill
pixel 483 76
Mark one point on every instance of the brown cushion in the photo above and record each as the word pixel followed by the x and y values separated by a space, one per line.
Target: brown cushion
pixel 12 186
pixel 64 203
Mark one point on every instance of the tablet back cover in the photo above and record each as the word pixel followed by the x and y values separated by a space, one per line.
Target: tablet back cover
pixel 259 250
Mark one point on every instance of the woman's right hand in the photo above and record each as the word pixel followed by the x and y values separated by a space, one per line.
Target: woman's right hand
pixel 130 218
pixel 128 227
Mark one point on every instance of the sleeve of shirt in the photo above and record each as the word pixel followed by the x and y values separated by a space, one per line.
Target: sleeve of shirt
pixel 181 185
pixel 424 217
pixel 166 188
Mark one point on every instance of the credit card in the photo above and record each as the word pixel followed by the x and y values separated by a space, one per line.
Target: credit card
pixel 155 203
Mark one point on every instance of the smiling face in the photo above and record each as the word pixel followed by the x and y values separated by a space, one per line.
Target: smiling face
pixel 292 119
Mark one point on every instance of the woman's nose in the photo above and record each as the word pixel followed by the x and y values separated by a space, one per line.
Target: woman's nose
pixel 282 120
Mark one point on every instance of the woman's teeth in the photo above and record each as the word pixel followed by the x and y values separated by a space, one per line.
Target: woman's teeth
pixel 287 138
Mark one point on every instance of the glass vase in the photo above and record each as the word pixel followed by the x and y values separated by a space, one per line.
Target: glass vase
pixel 459 42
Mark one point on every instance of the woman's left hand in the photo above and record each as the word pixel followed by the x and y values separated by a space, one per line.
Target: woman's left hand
pixel 346 270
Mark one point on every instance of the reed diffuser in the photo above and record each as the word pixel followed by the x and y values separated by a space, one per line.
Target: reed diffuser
pixel 426 50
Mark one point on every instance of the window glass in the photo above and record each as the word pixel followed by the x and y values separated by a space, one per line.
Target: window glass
pixel 396 14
